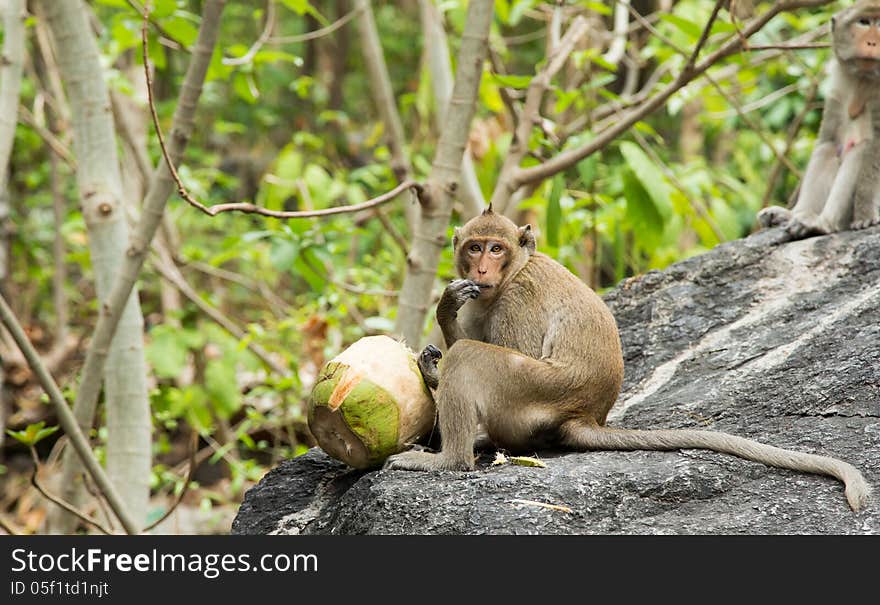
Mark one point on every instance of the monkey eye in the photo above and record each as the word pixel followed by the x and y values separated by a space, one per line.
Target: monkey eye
pixel 496 248
pixel 475 248
pixel 864 22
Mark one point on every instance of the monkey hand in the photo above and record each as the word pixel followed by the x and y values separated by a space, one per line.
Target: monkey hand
pixel 424 461
pixel 773 216
pixel 456 294
pixel 427 362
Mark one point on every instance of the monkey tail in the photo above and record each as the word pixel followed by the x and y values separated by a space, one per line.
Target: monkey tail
pixel 584 437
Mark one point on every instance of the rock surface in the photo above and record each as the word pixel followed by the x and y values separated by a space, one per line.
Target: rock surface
pixel 775 341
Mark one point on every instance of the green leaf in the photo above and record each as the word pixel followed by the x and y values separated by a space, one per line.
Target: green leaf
pixel 222 387
pixel 587 169
pixel 245 87
pixel 650 176
pixel 689 28
pixel 283 254
pixel 181 29
pixel 512 81
pixel 301 7
pixel 554 211
pixel 33 433
pixel 641 213
pixel 167 350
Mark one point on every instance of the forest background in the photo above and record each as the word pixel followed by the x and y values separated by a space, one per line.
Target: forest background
pixel 322 151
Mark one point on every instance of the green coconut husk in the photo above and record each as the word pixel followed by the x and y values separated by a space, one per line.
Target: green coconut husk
pixel 370 402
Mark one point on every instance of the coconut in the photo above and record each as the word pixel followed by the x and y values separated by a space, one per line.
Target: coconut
pixel 370 402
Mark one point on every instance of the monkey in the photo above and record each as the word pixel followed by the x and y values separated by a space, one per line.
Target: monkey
pixel 537 362
pixel 841 186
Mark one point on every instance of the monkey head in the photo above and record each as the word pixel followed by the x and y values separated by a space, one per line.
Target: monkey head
pixel 490 249
pixel 856 38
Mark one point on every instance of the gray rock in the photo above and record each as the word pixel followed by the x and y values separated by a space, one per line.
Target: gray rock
pixel 775 341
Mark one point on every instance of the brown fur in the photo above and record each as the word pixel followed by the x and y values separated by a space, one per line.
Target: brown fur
pixel 841 185
pixel 537 361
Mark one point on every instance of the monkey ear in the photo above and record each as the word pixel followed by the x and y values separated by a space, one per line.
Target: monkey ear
pixel 456 233
pixel 833 22
pixel 527 238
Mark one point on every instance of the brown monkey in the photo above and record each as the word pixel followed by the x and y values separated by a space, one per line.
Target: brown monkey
pixel 537 362
pixel 841 188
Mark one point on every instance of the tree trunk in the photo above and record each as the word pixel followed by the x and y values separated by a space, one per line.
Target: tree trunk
pixel 100 190
pixel 440 68
pixel 10 86
pixel 386 104
pixel 443 185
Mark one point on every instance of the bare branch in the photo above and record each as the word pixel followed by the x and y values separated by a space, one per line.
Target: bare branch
pixel 247 207
pixel 705 35
pixel 66 417
pixel 318 33
pixel 193 450
pixel 570 157
pixel 169 271
pixel 256 46
pixel 530 114
pixel 58 501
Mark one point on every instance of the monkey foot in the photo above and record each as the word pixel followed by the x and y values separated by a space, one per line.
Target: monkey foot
pixel 427 362
pixel 773 216
pixel 865 224
pixel 423 461
pixel 799 229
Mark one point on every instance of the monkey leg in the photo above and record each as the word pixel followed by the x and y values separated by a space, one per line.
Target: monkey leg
pixel 866 199
pixel 837 214
pixel 820 178
pixel 514 397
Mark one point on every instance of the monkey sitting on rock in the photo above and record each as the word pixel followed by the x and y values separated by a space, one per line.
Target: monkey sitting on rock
pixel 538 362
pixel 841 188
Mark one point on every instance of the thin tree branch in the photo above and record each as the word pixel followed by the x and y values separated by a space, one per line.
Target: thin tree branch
pixel 792 133
pixel 530 114
pixel 245 207
pixel 157 196
pixel 66 418
pixel 51 140
pixel 170 272
pixel 318 33
pixel 193 450
pixel 570 157
pixel 617 48
pixel 705 35
pixel 756 128
pixel 440 69
pixel 256 46
pixel 58 501
pixel 446 172
pixel 386 105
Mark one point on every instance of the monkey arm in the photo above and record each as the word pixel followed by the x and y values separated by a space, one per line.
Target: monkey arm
pixel 823 166
pixel 454 297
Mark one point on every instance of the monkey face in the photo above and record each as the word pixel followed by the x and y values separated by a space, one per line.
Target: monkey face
pixel 857 39
pixel 484 262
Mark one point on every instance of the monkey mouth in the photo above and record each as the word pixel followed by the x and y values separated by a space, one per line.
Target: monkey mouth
pixel 484 286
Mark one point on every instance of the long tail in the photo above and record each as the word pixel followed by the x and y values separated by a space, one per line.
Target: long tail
pixel 584 437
